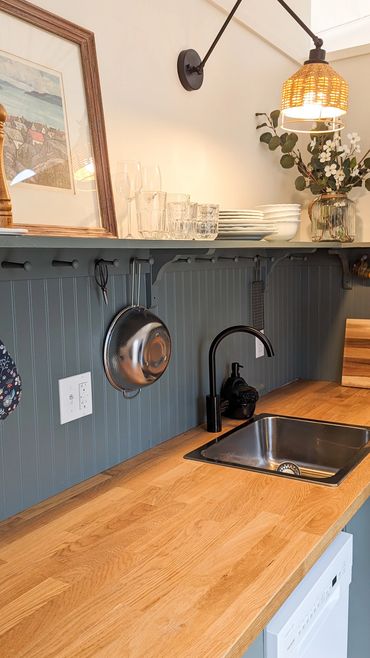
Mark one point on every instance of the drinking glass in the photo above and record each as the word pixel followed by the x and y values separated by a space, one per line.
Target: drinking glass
pixel 151 179
pixel 178 224
pixel 128 184
pixel 151 207
pixel 206 225
pixel 193 211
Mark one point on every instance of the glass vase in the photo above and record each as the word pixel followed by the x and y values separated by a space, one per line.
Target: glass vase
pixel 332 218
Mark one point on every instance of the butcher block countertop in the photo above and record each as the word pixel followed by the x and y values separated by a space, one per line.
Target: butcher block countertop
pixel 170 558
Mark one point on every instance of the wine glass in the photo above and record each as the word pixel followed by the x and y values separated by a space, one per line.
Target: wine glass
pixel 151 180
pixel 128 184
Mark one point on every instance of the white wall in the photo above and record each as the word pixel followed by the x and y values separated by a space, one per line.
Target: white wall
pixel 356 71
pixel 271 21
pixel 340 23
pixel 205 142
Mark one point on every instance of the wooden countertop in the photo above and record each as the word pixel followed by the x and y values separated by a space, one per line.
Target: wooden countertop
pixel 169 558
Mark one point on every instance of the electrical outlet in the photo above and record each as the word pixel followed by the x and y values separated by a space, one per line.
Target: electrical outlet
pixel 84 393
pixel 75 397
pixel 260 350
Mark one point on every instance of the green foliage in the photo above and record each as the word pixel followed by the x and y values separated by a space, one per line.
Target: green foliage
pixel 316 188
pixel 265 137
pixel 289 142
pixel 332 167
pixel 274 116
pixel 300 183
pixel 274 143
pixel 283 138
pixel 287 161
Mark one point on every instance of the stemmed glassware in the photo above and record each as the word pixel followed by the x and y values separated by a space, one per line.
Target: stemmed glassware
pixel 128 183
pixel 151 179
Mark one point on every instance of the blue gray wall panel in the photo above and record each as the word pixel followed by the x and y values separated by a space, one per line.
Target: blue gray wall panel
pixel 55 327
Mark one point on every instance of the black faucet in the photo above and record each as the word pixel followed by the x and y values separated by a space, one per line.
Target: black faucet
pixel 213 400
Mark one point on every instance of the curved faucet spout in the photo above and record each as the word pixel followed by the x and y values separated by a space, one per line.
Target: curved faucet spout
pixel 213 401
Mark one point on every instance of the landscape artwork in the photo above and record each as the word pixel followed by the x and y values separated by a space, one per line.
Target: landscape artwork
pixel 36 147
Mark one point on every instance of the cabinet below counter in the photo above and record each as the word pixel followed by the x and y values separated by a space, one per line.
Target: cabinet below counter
pixel 161 556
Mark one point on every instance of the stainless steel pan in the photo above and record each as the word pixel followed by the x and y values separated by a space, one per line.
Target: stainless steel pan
pixel 137 346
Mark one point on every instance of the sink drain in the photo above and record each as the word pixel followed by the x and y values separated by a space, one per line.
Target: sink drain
pixel 288 467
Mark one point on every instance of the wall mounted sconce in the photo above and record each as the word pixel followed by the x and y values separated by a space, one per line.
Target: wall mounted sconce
pixel 313 99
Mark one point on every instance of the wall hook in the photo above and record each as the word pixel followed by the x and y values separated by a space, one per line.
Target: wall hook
pixel 149 261
pixel 235 259
pixel 113 263
pixel 66 263
pixel 9 265
pixel 257 258
pixel 211 259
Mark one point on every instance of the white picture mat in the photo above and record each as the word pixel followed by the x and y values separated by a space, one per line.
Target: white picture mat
pixel 36 204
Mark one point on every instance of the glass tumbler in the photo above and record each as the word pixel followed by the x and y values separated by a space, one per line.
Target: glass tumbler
pixel 151 207
pixel 179 224
pixel 193 211
pixel 206 224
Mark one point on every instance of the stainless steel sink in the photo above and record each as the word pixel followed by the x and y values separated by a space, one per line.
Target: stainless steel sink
pixel 289 447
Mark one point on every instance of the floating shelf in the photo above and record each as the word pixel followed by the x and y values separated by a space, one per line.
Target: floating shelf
pixel 41 242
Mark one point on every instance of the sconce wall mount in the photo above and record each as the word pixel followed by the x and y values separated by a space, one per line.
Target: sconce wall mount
pixel 315 93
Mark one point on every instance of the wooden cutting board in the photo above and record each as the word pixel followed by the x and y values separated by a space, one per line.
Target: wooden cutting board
pixel 356 354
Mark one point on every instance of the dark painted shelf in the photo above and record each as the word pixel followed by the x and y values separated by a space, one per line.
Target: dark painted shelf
pixel 40 242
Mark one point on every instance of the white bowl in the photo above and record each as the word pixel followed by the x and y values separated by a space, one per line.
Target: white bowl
pixel 272 217
pixel 282 220
pixel 279 206
pixel 286 231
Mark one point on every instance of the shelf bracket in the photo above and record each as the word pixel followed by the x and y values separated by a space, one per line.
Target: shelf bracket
pixel 346 271
pixel 285 255
pixel 162 262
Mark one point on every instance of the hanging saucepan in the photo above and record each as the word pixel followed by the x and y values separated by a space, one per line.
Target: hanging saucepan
pixel 137 346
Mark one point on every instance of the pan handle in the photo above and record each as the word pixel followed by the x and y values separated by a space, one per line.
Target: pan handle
pixel 127 396
pixel 135 282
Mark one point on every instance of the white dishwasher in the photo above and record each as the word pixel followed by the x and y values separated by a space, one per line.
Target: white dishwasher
pixel 313 621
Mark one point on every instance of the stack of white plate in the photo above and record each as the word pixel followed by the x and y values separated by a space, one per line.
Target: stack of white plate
pixel 244 224
pixel 286 217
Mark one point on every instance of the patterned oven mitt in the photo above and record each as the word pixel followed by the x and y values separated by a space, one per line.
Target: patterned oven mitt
pixel 10 383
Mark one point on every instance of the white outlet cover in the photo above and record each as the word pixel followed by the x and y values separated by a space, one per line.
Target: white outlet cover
pixel 75 397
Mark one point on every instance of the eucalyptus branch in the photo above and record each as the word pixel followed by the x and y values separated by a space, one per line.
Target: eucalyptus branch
pixel 331 172
pixel 364 158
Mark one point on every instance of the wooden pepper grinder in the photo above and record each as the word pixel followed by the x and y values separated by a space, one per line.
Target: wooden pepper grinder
pixel 6 215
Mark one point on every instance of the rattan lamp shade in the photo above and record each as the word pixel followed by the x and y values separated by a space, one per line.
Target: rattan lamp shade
pixel 315 93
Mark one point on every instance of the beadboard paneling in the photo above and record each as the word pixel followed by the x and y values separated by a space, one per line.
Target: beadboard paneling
pixel 55 327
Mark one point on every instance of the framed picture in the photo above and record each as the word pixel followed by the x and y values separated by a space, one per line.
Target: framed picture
pixel 55 149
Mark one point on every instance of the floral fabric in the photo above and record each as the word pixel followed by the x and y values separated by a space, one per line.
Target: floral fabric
pixel 10 383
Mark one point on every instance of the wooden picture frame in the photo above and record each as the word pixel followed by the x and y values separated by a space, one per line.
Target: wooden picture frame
pixel 84 39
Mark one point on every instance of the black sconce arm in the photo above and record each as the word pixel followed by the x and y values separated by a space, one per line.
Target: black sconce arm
pixel 190 66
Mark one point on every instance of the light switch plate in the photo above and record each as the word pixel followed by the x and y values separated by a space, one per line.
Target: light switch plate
pixel 75 397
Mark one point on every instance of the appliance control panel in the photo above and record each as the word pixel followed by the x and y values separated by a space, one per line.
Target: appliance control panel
pixel 312 600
